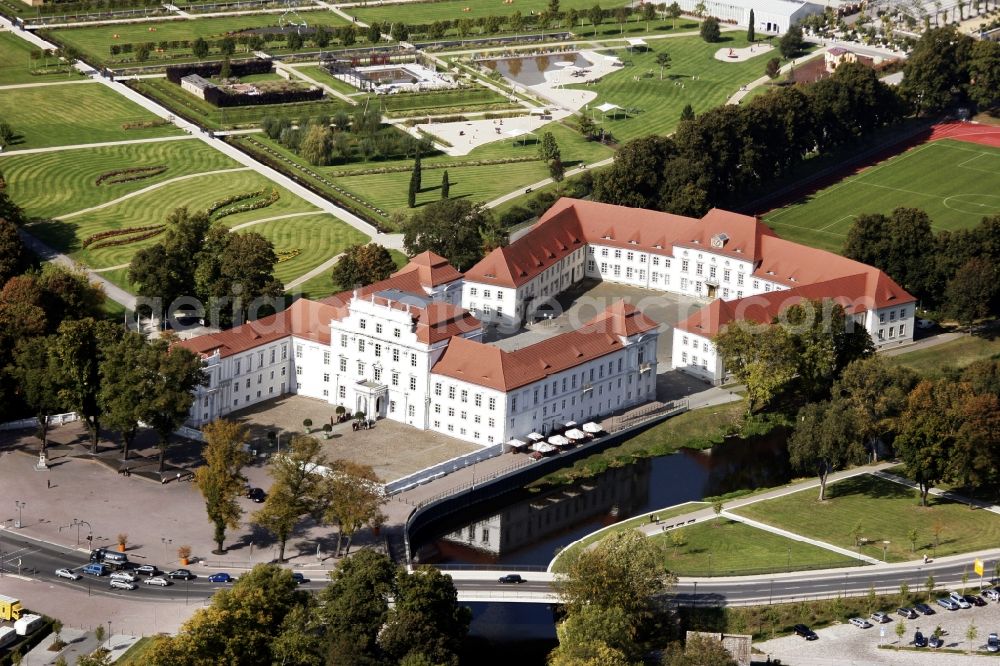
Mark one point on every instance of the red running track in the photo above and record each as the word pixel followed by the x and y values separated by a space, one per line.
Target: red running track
pixel 984 135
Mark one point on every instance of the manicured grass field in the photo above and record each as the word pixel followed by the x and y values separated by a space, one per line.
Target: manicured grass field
pixel 660 102
pixel 85 113
pixel 956 182
pixel 153 208
pixel 453 10
pixel 57 183
pixel 322 285
pixel 317 73
pixel 317 238
pixel 95 41
pixel 887 511
pixel 16 65
pixel 933 361
pixel 738 549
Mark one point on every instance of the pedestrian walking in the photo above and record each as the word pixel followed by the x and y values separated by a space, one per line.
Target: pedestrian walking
pixel 48 483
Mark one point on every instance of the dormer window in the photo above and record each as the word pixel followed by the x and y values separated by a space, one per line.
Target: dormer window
pixel 632 242
pixel 606 237
pixel 719 240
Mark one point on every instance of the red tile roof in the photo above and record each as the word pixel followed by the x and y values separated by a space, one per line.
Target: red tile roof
pixel 572 223
pixel 489 366
pixel 431 269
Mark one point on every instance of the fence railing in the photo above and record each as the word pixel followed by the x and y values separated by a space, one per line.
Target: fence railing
pixel 441 469
pixel 55 419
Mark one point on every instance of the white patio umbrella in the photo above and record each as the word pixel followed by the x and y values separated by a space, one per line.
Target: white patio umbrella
pixel 575 434
pixel 536 437
pixel 592 427
pixel 558 440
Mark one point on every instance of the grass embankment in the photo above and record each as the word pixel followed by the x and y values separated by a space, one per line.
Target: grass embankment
pixel 955 354
pixel 76 114
pixel 954 181
pixel 137 653
pixel 697 429
pixel 885 511
pixel 452 10
pixel 58 183
pixel 17 66
pixel 322 285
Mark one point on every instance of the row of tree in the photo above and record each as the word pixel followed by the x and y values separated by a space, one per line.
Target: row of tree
pixel 233 273
pixel 955 271
pixel 946 66
pixel 728 153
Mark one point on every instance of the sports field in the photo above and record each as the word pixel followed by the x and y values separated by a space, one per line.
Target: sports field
pixel 57 183
pixel 17 65
pixel 74 114
pixel 956 182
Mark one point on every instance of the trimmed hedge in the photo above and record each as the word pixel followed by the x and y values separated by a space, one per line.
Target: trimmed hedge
pixel 130 174
pixel 217 209
pixel 240 68
pixel 133 234
pixel 219 97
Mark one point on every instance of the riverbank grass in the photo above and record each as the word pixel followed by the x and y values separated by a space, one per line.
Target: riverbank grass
pixel 933 361
pixel 886 512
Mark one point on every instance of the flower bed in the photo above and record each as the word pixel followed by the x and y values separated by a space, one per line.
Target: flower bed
pixel 222 208
pixel 144 124
pixel 129 175
pixel 288 255
pixel 116 237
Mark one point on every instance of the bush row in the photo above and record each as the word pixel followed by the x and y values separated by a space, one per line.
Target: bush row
pixel 130 174
pixel 221 98
pixel 144 124
pixel 233 198
pixel 249 205
pixel 427 166
pixel 126 231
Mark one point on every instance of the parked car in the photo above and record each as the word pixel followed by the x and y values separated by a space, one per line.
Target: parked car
pixel 908 613
pixel 147 570
pixel 67 573
pixel 975 599
pixel 220 577
pixel 511 578
pixel 183 574
pixel 123 575
pixel 805 632
pixel 299 578
pixel 993 643
pixel 919 640
pixel 879 617
pixel 256 495
pixel 120 584
pixel 860 623
pixel 947 603
pixel 992 594
pixel 157 580
pixel 935 641
pixel 959 600
pixel 924 609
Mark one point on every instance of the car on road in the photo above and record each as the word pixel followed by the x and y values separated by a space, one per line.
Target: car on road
pixel 975 599
pixel 183 574
pixel 511 578
pixel 878 617
pixel 147 570
pixel 256 495
pixel 935 641
pixel 919 640
pixel 157 580
pixel 299 578
pixel 908 613
pixel 805 632
pixel 220 577
pixel 993 643
pixel 67 573
pixel 860 623
pixel 992 594
pixel 123 575
pixel 120 584
pixel 924 609
pixel 947 603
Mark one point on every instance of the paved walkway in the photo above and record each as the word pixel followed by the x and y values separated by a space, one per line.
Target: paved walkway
pixel 286 216
pixel 43 84
pixel 925 343
pixel 319 270
pixel 937 492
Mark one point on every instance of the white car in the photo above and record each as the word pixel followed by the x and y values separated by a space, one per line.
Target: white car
pixel 860 623
pixel 157 580
pixel 122 584
pixel 992 594
pixel 960 600
pixel 67 573
pixel 123 575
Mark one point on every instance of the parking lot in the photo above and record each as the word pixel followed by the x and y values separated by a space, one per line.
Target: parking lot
pixel 844 644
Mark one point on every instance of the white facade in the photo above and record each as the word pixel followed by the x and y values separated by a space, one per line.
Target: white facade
pixel 770 16
pixel 242 380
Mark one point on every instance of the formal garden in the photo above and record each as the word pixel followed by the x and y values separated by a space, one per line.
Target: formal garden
pixel 22 63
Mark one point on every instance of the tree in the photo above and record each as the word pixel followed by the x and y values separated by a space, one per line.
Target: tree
pixel 595 15
pixel 699 9
pixel 971 633
pixel 687 113
pixel 449 227
pixel 77 350
pixel 13 256
pixel 362 265
pixel 648 13
pixel 548 149
pixel 772 68
pixel 876 392
pixel 636 176
pixel 971 291
pixel 700 650
pixel 221 479
pixel 226 70
pixel 317 145
pixel 791 42
pixel 354 499
pixel 586 127
pixel 983 66
pixel 824 440
pixel 356 604
pixel 593 629
pixel 416 176
pixel 592 653
pixel 674 12
pixel 321 37
pixel 678 539
pixel 411 194
pixel 294 41
pixel 663 60
pixel 297 490
pixel 199 48
pixel 425 619
pixel 751 37
pixel 912 536
pixel 36 375
pixel 164 272
pixel 237 269
pixel 173 374
pixel 934 68
pixel 763 358
pixel 445 185
pixel 710 30
pixel 717 507
pixel 929 586
pixel 124 374
pixel 900 629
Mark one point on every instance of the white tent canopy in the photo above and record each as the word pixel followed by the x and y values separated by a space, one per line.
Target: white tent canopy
pixel 542 447
pixel 575 434
pixel 591 427
pixel 607 106
pixel 536 437
pixel 558 440
pixel 570 424
pixel 516 444
pixel 517 132
pixel 635 41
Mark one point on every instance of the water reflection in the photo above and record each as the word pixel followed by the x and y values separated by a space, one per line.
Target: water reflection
pixel 528 71
pixel 530 529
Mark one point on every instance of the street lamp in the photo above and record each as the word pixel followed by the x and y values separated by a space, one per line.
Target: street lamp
pixel 109 633
pixel 77 523
pixel 165 541
pixel 694 597
pixel 20 505
pixel 885 546
pixel 789 566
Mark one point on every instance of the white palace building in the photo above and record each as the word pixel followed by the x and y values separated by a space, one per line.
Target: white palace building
pixel 410 348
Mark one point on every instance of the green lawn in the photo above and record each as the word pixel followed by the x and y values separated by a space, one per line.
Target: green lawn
pixel 16 65
pixel 452 10
pixel 137 653
pixel 57 183
pixel 660 102
pixel 723 547
pixel 316 237
pixel 933 361
pixel 317 73
pixel 153 207
pixel 76 114
pixel 915 178
pixel 95 41
pixel 322 285
pixel 887 511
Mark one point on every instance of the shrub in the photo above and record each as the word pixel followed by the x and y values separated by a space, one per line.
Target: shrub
pixel 130 174
pixel 133 234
